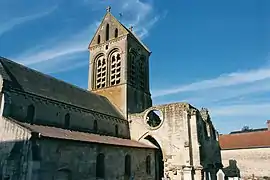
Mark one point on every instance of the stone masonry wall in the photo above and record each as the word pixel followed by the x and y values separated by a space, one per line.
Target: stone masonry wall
pixel 182 136
pixel 14 150
pixel 250 161
pixel 80 160
pixel 52 113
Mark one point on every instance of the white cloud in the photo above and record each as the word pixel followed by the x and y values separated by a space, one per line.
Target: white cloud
pixel 231 79
pixel 72 45
pixel 135 12
pixel 13 22
pixel 257 110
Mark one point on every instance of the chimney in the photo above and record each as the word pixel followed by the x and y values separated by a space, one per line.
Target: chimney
pixel 268 124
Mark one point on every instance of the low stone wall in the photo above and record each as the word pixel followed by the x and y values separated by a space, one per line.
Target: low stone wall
pixel 252 163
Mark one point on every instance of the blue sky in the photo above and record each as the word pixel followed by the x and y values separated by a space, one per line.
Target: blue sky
pixel 212 54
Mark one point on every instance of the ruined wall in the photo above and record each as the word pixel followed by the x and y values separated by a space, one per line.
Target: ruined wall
pixel 14 151
pixel 48 112
pixel 249 161
pixel 79 159
pixel 182 138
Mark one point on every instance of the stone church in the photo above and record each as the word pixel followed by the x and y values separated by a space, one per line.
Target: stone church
pixel 53 130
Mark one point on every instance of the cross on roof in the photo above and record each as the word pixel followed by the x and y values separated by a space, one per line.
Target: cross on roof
pixel 108 9
pixel 131 28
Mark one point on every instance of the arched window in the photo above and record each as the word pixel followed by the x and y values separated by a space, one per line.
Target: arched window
pixel 36 156
pixel 95 127
pixel 132 62
pixel 115 59
pixel 127 165
pixel 67 120
pixel 116 130
pixel 98 39
pixel 141 72
pixel 100 166
pixel 101 72
pixel 107 32
pixel 148 164
pixel 30 113
pixel 116 33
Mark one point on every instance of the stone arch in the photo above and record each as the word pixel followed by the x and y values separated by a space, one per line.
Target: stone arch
pixel 159 156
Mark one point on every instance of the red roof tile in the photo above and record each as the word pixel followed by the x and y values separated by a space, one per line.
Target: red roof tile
pixel 245 140
pixel 58 133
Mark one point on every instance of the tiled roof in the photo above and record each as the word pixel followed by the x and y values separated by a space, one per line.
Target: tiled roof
pixel 245 140
pixel 58 133
pixel 29 80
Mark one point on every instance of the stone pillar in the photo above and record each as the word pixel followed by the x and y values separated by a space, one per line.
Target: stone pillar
pixel 187 172
pixel 194 139
pixel 198 173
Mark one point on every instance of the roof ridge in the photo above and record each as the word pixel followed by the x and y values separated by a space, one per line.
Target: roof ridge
pixel 48 76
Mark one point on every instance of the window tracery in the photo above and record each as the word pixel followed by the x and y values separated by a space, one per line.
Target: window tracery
pixel 132 69
pixel 141 72
pixel 101 72
pixel 115 68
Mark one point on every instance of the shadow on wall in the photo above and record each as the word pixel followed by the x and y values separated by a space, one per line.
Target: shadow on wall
pixel 15 157
pixel 232 170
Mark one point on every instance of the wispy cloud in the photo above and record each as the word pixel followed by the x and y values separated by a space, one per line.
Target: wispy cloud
pixel 225 80
pixel 255 110
pixel 9 25
pixel 234 99
pixel 139 14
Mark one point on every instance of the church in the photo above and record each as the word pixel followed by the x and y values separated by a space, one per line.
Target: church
pixel 53 130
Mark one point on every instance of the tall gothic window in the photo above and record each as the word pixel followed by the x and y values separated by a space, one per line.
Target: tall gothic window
pixel 127 165
pixel 95 126
pixel 101 72
pixel 67 120
pixel 30 113
pixel 148 164
pixel 115 69
pixel 116 130
pixel 98 39
pixel 132 69
pixel 116 33
pixel 107 32
pixel 100 166
pixel 141 72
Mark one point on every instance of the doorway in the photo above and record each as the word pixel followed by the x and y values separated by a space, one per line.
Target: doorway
pixel 158 158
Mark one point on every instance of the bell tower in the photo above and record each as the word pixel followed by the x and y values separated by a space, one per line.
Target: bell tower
pixel 119 66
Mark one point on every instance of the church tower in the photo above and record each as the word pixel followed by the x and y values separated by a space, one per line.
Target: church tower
pixel 119 66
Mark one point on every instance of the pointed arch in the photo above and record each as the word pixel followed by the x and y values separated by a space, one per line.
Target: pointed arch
pixel 116 130
pixel 95 126
pixel 148 164
pixel 107 32
pixel 67 120
pixel 100 166
pixel 98 39
pixel 127 165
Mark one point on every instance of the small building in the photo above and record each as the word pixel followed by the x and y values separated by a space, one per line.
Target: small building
pixel 246 153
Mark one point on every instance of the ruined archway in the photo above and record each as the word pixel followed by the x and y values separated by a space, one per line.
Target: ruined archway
pixel 159 169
